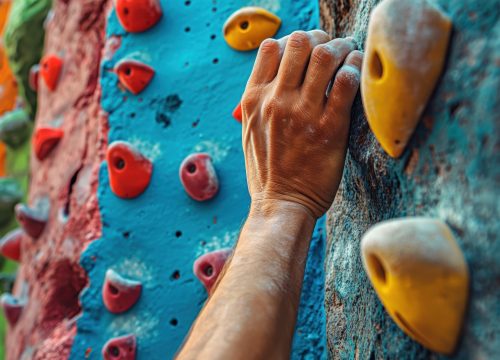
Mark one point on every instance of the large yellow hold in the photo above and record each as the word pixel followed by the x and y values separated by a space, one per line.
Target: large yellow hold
pixel 421 277
pixel 405 51
pixel 248 27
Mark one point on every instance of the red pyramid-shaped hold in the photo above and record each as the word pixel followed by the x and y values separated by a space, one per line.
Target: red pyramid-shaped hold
pixel 10 245
pixel 32 220
pixel 129 171
pixel 237 113
pixel 120 348
pixel 45 140
pixel 50 70
pixel 138 15
pixel 134 75
pixel 12 308
pixel 208 267
pixel 198 177
pixel 118 293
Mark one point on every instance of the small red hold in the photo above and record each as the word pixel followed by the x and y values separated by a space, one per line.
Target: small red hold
pixel 32 220
pixel 45 140
pixel 118 293
pixel 134 75
pixel 138 15
pixel 208 267
pixel 50 70
pixel 120 348
pixel 33 77
pixel 129 171
pixel 10 245
pixel 237 113
pixel 198 177
pixel 12 308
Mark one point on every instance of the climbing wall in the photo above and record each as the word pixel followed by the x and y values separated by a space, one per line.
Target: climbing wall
pixel 448 171
pixel 137 195
pixel 61 215
pixel 169 87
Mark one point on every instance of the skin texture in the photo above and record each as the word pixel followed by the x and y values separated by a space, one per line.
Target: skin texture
pixel 294 139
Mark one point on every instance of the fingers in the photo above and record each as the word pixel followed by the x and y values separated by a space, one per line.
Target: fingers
pixel 267 62
pixel 296 56
pixel 324 62
pixel 344 89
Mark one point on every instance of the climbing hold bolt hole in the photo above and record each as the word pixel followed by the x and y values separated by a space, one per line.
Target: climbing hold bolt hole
pixel 125 11
pixel 376 67
pixel 397 142
pixel 208 270
pixel 187 3
pixel 126 234
pixel 114 351
pixel 213 36
pixel 113 290
pixel 174 322
pixel 244 25
pixel 191 168
pixel 215 61
pixel 187 29
pixel 119 163
pixel 178 233
pixel 376 265
pixel 128 71
pixel 175 275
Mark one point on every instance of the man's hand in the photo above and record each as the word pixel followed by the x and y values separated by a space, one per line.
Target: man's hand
pixel 294 134
pixel 294 138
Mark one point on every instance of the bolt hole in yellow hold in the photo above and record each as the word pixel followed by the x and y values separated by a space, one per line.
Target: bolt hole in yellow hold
pixel 376 68
pixel 248 27
pixel 378 268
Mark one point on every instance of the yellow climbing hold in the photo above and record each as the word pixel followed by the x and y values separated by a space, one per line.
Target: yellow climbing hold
pixel 421 277
pixel 405 51
pixel 248 27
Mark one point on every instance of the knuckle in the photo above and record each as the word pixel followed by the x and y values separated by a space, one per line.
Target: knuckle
pixel 269 46
pixel 299 39
pixel 272 107
pixel 347 78
pixel 250 99
pixel 322 54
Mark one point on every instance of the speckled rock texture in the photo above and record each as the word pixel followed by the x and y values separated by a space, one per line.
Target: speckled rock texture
pixel 450 171
pixel 50 277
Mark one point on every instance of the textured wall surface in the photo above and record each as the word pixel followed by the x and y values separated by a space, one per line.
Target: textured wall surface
pixel 50 278
pixel 450 171
pixel 156 237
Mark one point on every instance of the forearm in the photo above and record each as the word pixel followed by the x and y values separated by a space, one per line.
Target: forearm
pixel 252 312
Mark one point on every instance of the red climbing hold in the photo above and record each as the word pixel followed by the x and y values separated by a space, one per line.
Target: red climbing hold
pixel 50 70
pixel 120 348
pixel 208 267
pixel 118 293
pixel 33 77
pixel 129 171
pixel 31 220
pixel 237 114
pixel 134 75
pixel 12 308
pixel 45 140
pixel 10 245
pixel 198 177
pixel 138 15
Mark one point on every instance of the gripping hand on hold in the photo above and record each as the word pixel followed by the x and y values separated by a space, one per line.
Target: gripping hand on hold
pixel 294 134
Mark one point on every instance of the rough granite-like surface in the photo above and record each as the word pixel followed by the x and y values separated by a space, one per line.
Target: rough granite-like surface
pixel 50 277
pixel 450 171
